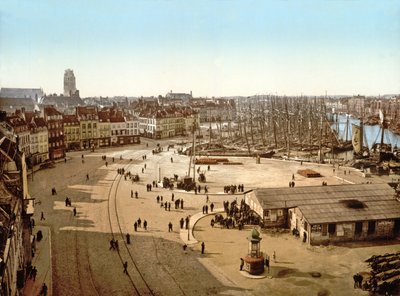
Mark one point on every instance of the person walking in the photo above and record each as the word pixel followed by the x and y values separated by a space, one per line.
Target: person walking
pixel 74 211
pixel 135 226
pixel 169 227
pixel 125 267
pixel 128 239
pixel 203 246
pixel 145 225
pixel 42 216
pixel 43 291
pixel 267 262
pixel 87 177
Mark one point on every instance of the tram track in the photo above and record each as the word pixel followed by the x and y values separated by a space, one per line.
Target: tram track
pixel 132 260
pixel 79 266
pixel 118 234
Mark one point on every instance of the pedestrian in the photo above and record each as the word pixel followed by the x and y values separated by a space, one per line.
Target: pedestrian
pixel 182 204
pixel 43 291
pixel 203 246
pixel 181 222
pixel 360 277
pixel 135 226
pixel 74 211
pixel 42 216
pixel 292 176
pixel 34 273
pixel 212 207
pixel 139 222
pixel 65 160
pixel 169 207
pixel 274 256
pixel 187 222
pixel 206 207
pixel 106 163
pixel 184 247
pixel 112 245
pixel 128 239
pixel 125 267
pixel 207 198
pixel 172 197
pixel 158 199
pixel 267 262
pixel 116 245
pixel 142 170
pixel 145 225
pixel 136 194
pixel 131 193
pixel 87 176
pixel 169 227
pixel 241 263
pixel 66 201
pixel 355 278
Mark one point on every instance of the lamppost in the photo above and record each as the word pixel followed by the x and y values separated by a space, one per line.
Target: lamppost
pixel 188 227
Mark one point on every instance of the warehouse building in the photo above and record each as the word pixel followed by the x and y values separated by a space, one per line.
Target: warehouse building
pixel 329 214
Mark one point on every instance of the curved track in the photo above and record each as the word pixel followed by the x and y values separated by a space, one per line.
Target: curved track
pixel 141 288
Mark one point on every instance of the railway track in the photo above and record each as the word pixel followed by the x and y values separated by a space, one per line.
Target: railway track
pixel 136 278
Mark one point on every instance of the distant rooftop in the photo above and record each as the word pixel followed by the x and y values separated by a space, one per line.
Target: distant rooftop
pixel 33 93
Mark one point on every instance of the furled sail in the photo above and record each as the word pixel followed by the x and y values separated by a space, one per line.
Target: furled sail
pixel 356 141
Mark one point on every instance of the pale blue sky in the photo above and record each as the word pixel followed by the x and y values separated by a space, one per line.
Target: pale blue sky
pixel 214 48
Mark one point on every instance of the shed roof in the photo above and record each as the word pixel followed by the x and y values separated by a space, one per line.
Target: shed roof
pixel 339 212
pixel 275 198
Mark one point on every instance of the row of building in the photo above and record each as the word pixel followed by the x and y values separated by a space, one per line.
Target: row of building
pixel 49 134
pixel 17 243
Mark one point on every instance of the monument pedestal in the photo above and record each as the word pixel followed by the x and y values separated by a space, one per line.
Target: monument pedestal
pixel 254 265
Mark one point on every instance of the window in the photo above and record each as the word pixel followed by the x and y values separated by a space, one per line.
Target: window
pixel 331 228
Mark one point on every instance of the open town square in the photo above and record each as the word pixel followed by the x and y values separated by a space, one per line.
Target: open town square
pixel 110 228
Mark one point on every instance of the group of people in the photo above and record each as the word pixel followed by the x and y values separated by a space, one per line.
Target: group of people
pixel 184 222
pixel 236 215
pixel 205 208
pixel 31 272
pixel 138 223
pixel 358 279
pixel 114 244
pixel 232 189
pixel 197 189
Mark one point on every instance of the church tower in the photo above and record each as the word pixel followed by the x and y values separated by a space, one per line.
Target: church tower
pixel 69 83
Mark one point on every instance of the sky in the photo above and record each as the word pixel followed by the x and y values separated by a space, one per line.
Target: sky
pixel 212 48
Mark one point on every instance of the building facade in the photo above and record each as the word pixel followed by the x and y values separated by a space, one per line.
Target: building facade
pixel 89 124
pixel 55 126
pixel 72 134
pixel 39 138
